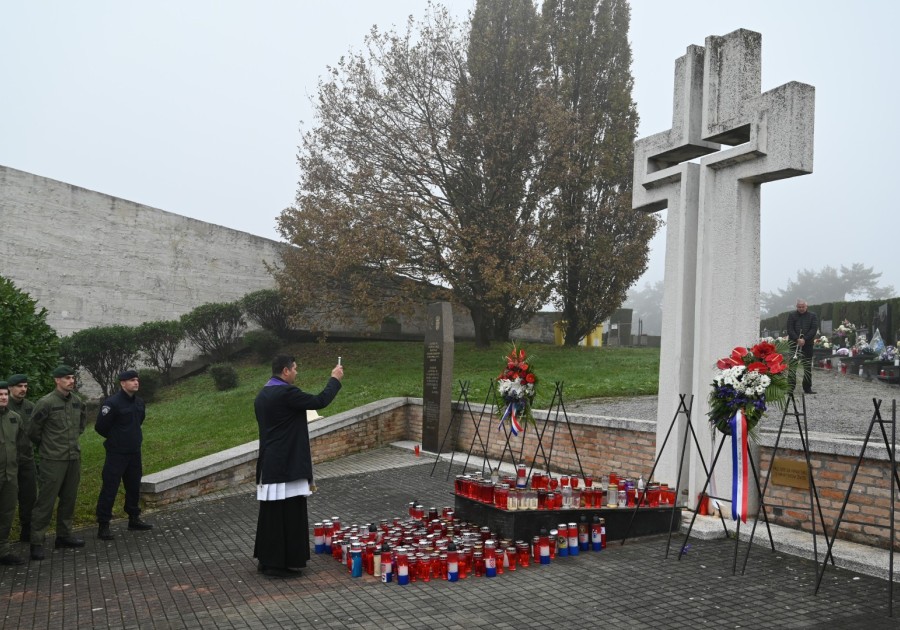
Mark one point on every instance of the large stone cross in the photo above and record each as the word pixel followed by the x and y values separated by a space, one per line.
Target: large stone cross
pixel 711 285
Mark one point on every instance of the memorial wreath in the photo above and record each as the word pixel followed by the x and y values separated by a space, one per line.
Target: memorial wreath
pixel 745 384
pixel 516 386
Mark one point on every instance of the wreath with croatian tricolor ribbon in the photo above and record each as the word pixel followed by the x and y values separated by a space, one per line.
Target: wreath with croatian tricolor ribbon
pixel 745 384
pixel 515 386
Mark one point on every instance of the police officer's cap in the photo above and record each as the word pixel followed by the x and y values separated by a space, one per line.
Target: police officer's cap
pixel 17 379
pixel 127 375
pixel 63 370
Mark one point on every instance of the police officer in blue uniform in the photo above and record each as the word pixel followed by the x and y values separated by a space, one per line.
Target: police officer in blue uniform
pixel 119 421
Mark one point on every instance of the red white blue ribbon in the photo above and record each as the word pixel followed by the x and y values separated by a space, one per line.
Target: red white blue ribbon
pixel 740 466
pixel 514 425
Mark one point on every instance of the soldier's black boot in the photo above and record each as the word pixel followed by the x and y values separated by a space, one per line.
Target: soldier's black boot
pixel 37 552
pixel 136 524
pixel 68 542
pixel 103 532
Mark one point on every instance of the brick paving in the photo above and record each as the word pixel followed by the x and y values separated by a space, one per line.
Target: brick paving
pixel 195 570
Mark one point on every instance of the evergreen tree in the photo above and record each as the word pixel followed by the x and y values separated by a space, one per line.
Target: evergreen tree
pixel 600 244
pixel 29 345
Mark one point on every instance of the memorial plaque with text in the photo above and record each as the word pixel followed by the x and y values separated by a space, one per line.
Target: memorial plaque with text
pixel 437 386
pixel 790 472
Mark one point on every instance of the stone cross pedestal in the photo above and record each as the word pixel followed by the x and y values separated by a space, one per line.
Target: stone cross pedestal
pixel 711 294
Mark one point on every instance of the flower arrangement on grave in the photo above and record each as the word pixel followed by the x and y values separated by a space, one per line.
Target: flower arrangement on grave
pixel 822 342
pixel 862 347
pixel 516 386
pixel 745 384
pixel 844 335
pixel 890 353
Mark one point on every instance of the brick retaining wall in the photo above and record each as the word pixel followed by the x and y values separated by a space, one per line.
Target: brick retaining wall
pixel 604 444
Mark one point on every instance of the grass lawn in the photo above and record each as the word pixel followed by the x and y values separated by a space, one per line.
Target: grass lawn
pixel 191 418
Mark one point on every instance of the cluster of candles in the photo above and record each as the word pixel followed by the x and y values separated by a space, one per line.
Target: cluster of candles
pixel 428 546
pixel 545 492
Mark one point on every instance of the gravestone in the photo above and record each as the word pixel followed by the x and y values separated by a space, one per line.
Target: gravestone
pixel 711 294
pixel 437 386
pixel 882 321
pixel 620 326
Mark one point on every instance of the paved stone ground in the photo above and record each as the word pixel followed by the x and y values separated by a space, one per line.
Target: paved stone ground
pixel 195 570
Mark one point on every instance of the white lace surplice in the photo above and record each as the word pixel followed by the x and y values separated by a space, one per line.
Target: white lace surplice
pixel 281 491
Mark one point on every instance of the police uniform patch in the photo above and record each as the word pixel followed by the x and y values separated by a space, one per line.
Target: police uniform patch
pixel 104 410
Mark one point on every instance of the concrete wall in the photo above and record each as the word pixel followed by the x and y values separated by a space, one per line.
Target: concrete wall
pixel 92 259
pixel 95 260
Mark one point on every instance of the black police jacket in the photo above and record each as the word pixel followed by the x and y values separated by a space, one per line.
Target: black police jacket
pixel 119 421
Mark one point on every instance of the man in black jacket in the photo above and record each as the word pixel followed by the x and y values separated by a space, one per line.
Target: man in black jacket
pixel 802 326
pixel 119 421
pixel 284 474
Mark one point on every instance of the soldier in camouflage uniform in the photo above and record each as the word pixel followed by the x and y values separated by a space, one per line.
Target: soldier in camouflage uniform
pixel 18 390
pixel 57 422
pixel 10 431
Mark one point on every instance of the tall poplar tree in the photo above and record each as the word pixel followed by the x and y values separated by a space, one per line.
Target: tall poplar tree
pixel 600 244
pixel 498 128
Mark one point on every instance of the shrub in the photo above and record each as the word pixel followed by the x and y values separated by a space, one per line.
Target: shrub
pixel 150 382
pixel 215 328
pixel 224 375
pixel 264 344
pixel 103 351
pixel 158 342
pixel 30 346
pixel 267 308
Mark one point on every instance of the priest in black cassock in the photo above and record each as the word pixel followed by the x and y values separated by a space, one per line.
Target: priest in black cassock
pixel 284 473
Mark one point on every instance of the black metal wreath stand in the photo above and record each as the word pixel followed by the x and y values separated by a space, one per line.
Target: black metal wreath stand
pixel 737 538
pixel 556 406
pixel 683 408
pixel 891 448
pixel 462 401
pixel 814 504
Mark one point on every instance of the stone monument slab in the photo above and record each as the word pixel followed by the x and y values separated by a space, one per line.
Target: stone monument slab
pixel 437 385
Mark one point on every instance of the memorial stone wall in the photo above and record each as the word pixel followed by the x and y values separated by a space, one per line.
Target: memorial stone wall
pixel 94 260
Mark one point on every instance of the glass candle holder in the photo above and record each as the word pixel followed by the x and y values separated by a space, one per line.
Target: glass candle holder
pixel 523 557
pixel 478 564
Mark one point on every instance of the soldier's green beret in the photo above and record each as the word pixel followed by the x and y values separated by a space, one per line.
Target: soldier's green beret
pixel 4 385
pixel 62 370
pixel 17 379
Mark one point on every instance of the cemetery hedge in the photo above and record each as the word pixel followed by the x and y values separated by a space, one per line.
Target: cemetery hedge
pixel 861 313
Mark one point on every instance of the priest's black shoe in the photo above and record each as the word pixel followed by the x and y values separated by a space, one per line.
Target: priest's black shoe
pixel 103 532
pixel 273 572
pixel 136 524
pixel 10 559
pixel 808 392
pixel 68 542
pixel 37 552
pixel 260 567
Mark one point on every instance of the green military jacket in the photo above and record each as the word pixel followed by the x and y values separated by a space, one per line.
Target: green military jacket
pixel 24 409
pixel 10 431
pixel 56 425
